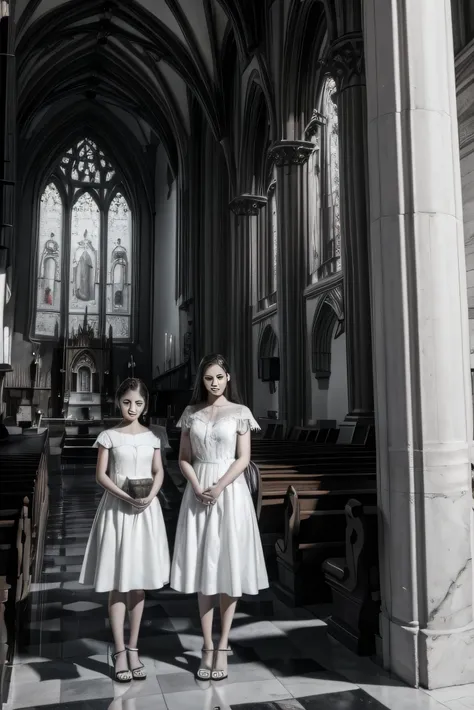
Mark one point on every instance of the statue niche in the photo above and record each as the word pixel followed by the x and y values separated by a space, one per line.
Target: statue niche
pixel 84 269
pixel 49 272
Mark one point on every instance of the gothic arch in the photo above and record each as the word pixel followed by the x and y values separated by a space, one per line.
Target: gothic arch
pixel 329 317
pixel 84 357
pixel 308 28
pixel 258 134
pixel 39 156
pixel 268 345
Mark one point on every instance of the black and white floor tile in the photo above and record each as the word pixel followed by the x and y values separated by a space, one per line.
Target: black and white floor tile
pixel 282 659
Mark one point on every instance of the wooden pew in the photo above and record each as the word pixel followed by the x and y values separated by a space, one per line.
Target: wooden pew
pixel 24 472
pixel 23 518
pixel 5 655
pixel 314 528
pixel 285 463
pixel 354 581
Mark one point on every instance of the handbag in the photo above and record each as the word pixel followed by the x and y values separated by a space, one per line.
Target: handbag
pixel 253 481
pixel 138 487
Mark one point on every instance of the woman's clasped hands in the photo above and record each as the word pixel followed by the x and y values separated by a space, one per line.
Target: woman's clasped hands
pixel 141 504
pixel 208 496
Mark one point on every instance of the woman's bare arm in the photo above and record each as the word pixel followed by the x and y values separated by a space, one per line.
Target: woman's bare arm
pixel 237 467
pixel 184 459
pixel 158 473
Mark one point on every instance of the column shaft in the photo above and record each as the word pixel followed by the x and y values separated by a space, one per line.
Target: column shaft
pixel 290 158
pixel 346 66
pixel 421 344
pixel 245 209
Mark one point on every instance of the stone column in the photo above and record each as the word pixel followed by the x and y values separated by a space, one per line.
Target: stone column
pixel 346 66
pixel 290 158
pixel 245 208
pixel 421 343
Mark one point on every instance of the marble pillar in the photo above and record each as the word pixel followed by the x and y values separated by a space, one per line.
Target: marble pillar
pixel 346 66
pixel 290 158
pixel 3 293
pixel 421 343
pixel 245 208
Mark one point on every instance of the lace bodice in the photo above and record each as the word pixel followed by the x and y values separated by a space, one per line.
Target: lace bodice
pixel 213 430
pixel 130 455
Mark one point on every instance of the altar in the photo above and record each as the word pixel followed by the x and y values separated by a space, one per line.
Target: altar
pixel 87 375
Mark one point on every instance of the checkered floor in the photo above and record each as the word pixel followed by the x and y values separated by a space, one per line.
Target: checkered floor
pixel 282 659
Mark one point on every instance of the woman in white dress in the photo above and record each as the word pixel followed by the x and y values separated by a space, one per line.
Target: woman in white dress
pixel 127 551
pixel 218 550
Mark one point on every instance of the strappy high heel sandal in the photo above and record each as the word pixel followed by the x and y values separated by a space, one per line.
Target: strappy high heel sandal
pixel 121 676
pixel 202 672
pixel 219 673
pixel 137 673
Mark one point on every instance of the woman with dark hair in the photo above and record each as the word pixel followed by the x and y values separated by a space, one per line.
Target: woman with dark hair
pixel 218 550
pixel 127 551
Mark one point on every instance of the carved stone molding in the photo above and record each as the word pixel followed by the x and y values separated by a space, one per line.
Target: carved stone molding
pixel 312 129
pixel 247 205
pixel 345 61
pixel 290 152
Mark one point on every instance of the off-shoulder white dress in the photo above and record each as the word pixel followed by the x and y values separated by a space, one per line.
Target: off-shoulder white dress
pixel 218 548
pixel 127 549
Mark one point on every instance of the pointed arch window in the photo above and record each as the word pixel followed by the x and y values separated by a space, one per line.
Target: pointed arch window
pixel 324 227
pixel 85 247
pixel 49 267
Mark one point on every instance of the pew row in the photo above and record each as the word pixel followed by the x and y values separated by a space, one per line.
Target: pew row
pixel 23 518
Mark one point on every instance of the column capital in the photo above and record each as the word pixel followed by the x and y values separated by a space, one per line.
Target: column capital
pixel 290 152
pixel 345 61
pixel 247 205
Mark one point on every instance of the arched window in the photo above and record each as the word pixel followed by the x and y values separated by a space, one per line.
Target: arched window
pixel 49 272
pixel 331 220
pixel 84 248
pixel 272 238
pixel 324 226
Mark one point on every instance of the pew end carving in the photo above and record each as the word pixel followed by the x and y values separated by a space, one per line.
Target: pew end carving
pixel 354 582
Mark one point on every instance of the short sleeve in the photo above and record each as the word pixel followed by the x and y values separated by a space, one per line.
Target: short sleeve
pixel 156 442
pixel 184 422
pixel 160 432
pixel 103 440
pixel 246 422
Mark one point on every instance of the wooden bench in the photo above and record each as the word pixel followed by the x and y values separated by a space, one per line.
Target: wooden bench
pixel 23 518
pixel 314 529
pixel 292 463
pixel 354 581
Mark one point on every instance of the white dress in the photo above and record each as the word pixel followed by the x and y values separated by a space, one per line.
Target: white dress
pixel 218 548
pixel 127 549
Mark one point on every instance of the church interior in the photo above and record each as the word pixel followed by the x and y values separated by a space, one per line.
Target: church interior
pixel 289 183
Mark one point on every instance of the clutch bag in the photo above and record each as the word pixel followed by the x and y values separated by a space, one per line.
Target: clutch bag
pixel 138 487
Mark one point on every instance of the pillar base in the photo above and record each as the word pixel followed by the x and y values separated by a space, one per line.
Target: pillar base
pixel 430 659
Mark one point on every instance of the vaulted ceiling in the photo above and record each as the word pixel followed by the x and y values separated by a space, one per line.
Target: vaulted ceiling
pixel 141 61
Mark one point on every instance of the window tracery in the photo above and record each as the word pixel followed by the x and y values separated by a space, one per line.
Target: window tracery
pixel 93 234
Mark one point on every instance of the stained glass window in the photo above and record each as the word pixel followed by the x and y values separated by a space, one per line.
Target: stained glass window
pixel 49 265
pixel 273 237
pixel 84 271
pixel 95 239
pixel 119 264
pixel 314 211
pixel 332 227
